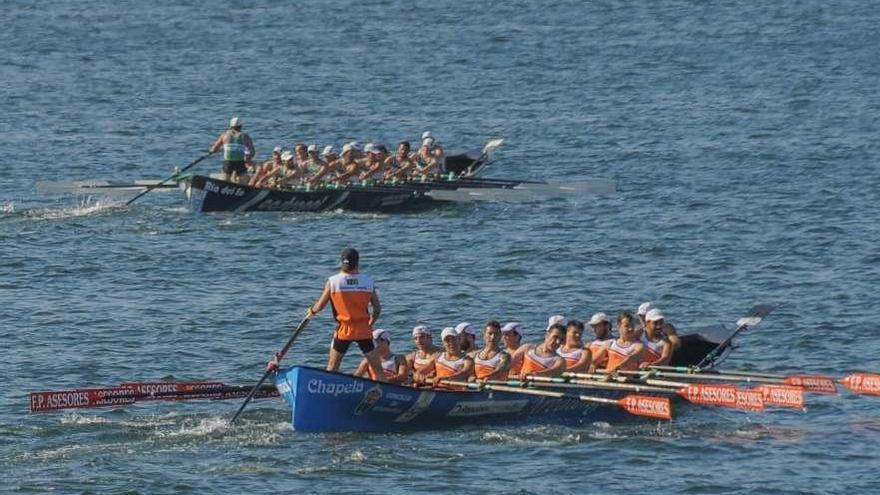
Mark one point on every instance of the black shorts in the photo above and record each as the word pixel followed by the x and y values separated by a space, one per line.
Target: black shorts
pixel 237 167
pixel 341 346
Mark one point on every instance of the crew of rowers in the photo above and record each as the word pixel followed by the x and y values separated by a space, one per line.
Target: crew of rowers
pixel 504 355
pixel 304 165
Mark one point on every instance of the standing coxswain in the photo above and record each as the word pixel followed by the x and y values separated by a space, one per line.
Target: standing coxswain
pixel 351 294
pixel 490 362
pixel 237 147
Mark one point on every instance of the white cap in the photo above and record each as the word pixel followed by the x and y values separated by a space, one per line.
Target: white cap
pixel 654 315
pixel 599 318
pixel 276 149
pixel 554 320
pixel 370 148
pixel 234 122
pixel 347 147
pixel 429 141
pixel 286 156
pixel 426 135
pixel 356 145
pixel 420 330
pixel 381 334
pixel 328 150
pixel 645 307
pixel 513 326
pixel 447 332
pixel 312 147
pixel 464 327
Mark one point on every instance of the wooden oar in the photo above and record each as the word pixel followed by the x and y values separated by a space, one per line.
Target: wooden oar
pixel 279 355
pixel 858 382
pixel 751 319
pixel 129 393
pixel 639 405
pixel 184 169
pixel 811 383
pixel 705 394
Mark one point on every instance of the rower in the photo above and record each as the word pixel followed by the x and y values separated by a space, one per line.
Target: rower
pixel 601 325
pixel 512 334
pixel 554 320
pixel 541 359
pixel 626 352
pixel 394 367
pixel 351 294
pixel 577 356
pixel 267 167
pixel 313 161
pixel 658 349
pixel 236 146
pixel 401 164
pixel 349 165
pixel 274 176
pixel 290 173
pixel 326 165
pixel 490 362
pixel 467 338
pixel 374 165
pixel 302 157
pixel 431 155
pixel 669 330
pixel 452 364
pixel 421 360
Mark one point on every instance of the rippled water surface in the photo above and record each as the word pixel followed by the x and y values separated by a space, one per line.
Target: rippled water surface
pixel 743 136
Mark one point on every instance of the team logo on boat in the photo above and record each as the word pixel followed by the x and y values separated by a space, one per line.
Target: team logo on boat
pixel 318 386
pixel 484 407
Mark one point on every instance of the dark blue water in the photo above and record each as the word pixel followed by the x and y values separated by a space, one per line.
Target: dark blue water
pixel 743 136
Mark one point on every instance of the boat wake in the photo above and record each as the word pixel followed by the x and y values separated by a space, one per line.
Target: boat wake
pixel 88 206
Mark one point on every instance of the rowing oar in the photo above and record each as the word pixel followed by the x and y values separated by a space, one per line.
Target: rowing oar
pixel 279 356
pixel 184 169
pixel 639 405
pixel 129 393
pixel 751 319
pixel 704 394
pixel 811 383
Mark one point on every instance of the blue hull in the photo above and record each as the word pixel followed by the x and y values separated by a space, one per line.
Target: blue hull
pixel 326 402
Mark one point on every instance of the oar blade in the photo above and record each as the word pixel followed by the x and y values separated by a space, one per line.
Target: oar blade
pixel 648 406
pixel 755 315
pixel 749 399
pixel 862 383
pixel 812 383
pixel 175 390
pixel 708 394
pixel 80 398
pixel 783 396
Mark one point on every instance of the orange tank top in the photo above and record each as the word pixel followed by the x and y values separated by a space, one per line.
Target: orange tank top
pixel 350 295
pixel 653 349
pixel 516 362
pixel 389 367
pixel 533 363
pixel 485 367
pixel 617 352
pixel 445 367
pixel 596 349
pixel 571 357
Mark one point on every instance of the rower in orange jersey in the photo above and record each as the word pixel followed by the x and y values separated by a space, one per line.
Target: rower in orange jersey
pixel 490 362
pixel 669 330
pixel 601 325
pixel 576 355
pixel 512 334
pixel 541 359
pixel 658 348
pixel 625 353
pixel 421 360
pixel 394 367
pixel 351 294
pixel 467 338
pixel 452 364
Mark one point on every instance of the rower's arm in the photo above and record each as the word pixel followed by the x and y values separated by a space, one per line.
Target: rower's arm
pixel 584 362
pixel 555 370
pixel 672 335
pixel 322 300
pixel 666 355
pixel 363 369
pixel 501 371
pixel 402 372
pixel 636 356
pixel 598 358
pixel 377 307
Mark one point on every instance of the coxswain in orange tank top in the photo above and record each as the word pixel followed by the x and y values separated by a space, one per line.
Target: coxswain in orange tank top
pixel 626 352
pixel 421 360
pixel 658 349
pixel 394 368
pixel 351 294
pixel 541 359
pixel 577 357
pixel 452 364
pixel 512 334
pixel 490 362
pixel 601 325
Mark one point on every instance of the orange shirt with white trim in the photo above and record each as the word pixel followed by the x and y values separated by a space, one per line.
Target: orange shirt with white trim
pixel 350 295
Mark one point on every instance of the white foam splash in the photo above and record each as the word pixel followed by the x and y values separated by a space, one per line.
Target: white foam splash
pixel 7 208
pixel 88 206
pixel 205 427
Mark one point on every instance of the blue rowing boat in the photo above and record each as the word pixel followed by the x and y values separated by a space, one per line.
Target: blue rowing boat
pixel 323 401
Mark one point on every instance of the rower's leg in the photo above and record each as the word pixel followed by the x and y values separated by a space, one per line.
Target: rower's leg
pixel 336 359
pixel 375 362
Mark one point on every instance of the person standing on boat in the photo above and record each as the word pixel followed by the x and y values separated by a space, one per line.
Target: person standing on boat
pixel 393 366
pixel 625 353
pixel 601 325
pixel 237 146
pixel 669 330
pixel 451 364
pixel 658 349
pixel 577 356
pixel 512 334
pixel 541 359
pixel 490 362
pixel 351 294
pixel 421 361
